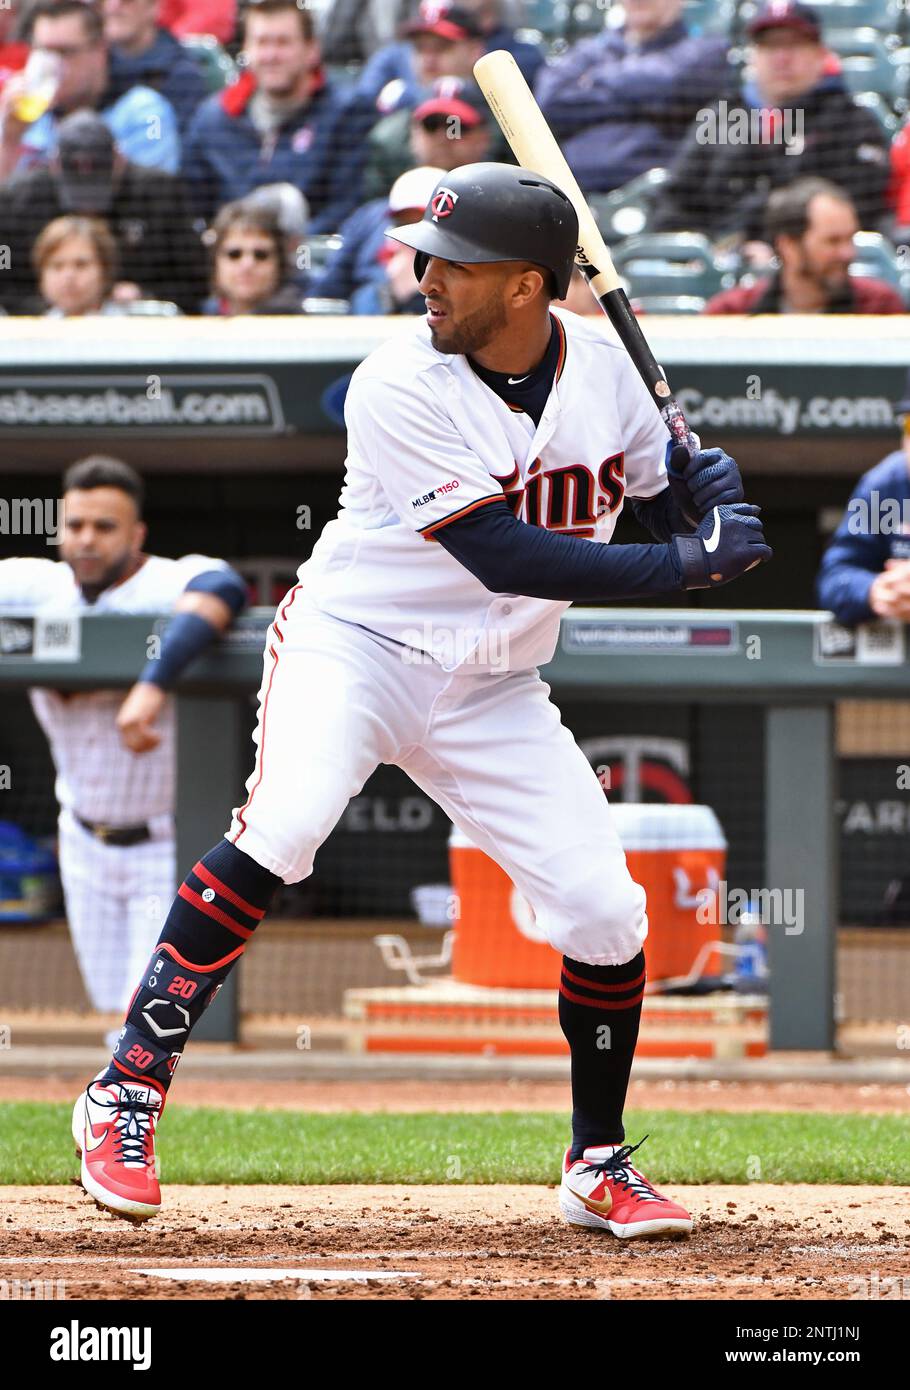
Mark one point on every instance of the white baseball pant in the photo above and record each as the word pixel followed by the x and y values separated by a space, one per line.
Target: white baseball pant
pixel 116 901
pixel 490 748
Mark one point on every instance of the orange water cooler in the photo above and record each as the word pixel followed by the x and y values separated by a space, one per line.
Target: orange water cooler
pixel 676 852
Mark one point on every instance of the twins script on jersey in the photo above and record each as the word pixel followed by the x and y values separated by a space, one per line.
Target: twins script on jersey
pixel 428 442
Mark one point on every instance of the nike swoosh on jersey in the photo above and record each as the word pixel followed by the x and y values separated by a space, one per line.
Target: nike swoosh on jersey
pixel 600 1208
pixel 514 380
pixel 713 540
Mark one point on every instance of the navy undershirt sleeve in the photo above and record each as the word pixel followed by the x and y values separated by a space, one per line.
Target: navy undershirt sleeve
pixel 510 557
pixel 660 515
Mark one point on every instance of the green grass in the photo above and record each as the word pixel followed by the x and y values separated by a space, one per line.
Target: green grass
pixel 260 1146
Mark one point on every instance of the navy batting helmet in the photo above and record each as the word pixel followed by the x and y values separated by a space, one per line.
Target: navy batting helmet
pixel 496 212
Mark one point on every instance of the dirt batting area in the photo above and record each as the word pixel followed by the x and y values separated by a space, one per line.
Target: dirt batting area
pixel 455 1241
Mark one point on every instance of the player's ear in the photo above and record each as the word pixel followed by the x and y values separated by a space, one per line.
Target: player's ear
pixel 531 285
pixel 140 531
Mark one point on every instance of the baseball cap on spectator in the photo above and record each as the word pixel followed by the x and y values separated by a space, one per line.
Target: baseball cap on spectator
pixel 786 14
pixel 413 189
pixel 85 163
pixel 454 96
pixel 446 20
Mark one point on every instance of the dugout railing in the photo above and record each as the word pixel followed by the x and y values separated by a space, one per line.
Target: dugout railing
pixel 797 668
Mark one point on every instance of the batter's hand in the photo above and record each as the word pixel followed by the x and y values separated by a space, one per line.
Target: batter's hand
pixel 728 542
pixel 137 714
pixel 711 477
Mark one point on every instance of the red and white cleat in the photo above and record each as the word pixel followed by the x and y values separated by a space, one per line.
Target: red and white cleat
pixel 602 1190
pixel 114 1133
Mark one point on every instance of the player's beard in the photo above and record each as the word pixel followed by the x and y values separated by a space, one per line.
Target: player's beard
pixel 112 575
pixel 830 283
pixel 475 332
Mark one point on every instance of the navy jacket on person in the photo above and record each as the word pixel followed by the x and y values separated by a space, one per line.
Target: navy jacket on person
pixel 865 539
pixel 394 62
pixel 618 110
pixel 721 187
pixel 354 263
pixel 166 67
pixel 320 149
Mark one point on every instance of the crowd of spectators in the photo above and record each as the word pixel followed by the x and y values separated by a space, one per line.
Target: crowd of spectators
pixel 205 157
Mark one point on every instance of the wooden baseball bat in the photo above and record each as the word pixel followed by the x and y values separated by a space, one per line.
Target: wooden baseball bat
pixel 534 145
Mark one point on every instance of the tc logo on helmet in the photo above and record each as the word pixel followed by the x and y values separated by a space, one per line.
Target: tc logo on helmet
pixel 443 203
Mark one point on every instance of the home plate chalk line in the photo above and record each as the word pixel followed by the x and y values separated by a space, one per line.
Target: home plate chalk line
pixel 243 1274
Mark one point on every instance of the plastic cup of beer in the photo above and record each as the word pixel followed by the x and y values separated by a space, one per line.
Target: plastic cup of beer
pixel 40 77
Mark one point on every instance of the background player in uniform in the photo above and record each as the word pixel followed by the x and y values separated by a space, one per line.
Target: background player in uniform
pixel 486 452
pixel 115 756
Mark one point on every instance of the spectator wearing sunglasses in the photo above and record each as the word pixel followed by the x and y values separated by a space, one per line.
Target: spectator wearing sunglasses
pixel 451 127
pixel 249 264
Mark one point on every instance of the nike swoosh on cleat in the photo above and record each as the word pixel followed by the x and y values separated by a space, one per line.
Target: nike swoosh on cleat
pixel 600 1208
pixel 713 540
pixel 90 1139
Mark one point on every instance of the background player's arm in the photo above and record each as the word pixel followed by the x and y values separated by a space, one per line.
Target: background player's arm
pixel 204 610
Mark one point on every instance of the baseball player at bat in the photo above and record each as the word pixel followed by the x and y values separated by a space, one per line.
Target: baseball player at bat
pixel 115 755
pixel 490 452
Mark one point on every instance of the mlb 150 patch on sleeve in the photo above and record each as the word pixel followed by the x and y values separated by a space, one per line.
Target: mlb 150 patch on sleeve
pixel 437 492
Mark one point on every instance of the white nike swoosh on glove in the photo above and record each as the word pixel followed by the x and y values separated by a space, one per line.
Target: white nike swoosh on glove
pixel 713 540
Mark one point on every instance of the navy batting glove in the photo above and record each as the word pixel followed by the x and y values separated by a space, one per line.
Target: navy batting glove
pixel 709 478
pixel 728 542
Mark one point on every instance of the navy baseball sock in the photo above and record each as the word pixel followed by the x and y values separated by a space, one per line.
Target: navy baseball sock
pixel 218 906
pixel 599 1013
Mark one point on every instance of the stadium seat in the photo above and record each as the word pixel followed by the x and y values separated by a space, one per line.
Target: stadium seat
pixel 876 103
pixel 627 210
pixel 670 265
pixel 876 257
pixel 867 62
pixel 710 16
pixel 320 247
pixel 217 68
pixel 312 304
pixel 549 18
pixel 668 304
pixel 151 309
pixel 586 17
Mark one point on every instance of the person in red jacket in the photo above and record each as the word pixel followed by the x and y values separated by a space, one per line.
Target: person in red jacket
pixel 899 187
pixel 811 225
pixel 183 17
pixel 13 53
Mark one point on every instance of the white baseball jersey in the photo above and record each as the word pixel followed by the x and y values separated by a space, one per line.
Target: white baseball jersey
pixel 429 442
pixel 97 777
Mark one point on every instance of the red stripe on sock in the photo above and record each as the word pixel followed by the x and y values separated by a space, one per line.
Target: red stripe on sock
pixel 601 1003
pixel 603 989
pixel 203 969
pixel 214 912
pixel 212 882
